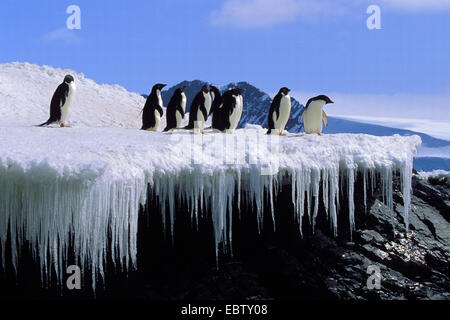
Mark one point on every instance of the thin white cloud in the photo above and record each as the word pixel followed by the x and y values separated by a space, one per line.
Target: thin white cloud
pixel 416 5
pixel 63 35
pixel 255 13
pixel 266 13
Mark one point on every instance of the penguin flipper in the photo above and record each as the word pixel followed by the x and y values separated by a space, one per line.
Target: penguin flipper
pixel 181 111
pixel 160 110
pixel 325 118
pixel 204 111
pixel 277 110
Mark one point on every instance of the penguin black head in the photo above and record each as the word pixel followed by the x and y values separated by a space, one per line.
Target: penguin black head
pixel 158 86
pixel 206 88
pixel 68 79
pixel 180 89
pixel 323 98
pixel 284 91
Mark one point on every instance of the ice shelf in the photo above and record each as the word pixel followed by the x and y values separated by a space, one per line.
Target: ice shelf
pixel 82 187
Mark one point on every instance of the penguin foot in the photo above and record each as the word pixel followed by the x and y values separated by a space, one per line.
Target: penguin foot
pixel 320 134
pixel 62 125
pixel 282 134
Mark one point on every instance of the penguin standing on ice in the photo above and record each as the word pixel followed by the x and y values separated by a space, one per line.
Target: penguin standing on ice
pixel 176 109
pixel 227 117
pixel 152 113
pixel 279 112
pixel 200 109
pixel 62 102
pixel 313 114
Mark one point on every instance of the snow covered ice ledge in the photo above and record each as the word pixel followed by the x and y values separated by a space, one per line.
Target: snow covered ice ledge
pixel 82 187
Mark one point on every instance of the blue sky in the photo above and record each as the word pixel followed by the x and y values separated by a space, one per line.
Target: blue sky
pixel 308 45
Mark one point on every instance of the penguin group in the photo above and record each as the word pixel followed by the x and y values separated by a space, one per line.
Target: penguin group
pixel 225 109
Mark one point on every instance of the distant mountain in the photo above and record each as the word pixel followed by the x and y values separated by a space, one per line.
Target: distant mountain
pixel 257 105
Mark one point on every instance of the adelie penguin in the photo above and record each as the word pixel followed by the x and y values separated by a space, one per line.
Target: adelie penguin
pixel 279 112
pixel 152 113
pixel 62 102
pixel 313 114
pixel 176 109
pixel 227 116
pixel 200 109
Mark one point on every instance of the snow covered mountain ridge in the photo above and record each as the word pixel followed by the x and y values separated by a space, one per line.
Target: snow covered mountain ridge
pixel 82 188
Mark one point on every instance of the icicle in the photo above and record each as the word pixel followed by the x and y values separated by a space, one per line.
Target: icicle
pixel 316 188
pixel 334 193
pixel 239 191
pixel 325 191
pixel 170 195
pixel 365 189
pixel 386 177
pixel 406 178
pixel 271 187
pixel 351 200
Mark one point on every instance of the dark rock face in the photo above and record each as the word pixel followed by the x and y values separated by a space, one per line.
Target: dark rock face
pixel 281 264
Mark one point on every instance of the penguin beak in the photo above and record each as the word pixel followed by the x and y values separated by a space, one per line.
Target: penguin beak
pixel 331 102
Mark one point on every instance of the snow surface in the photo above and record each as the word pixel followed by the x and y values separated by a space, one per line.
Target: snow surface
pixel 26 90
pixel 83 186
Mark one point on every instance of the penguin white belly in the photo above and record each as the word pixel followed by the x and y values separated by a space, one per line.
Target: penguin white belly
pixel 160 102
pixel 157 120
pixel 312 118
pixel 178 116
pixel 199 124
pixel 285 111
pixel 236 114
pixel 208 102
pixel 66 109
